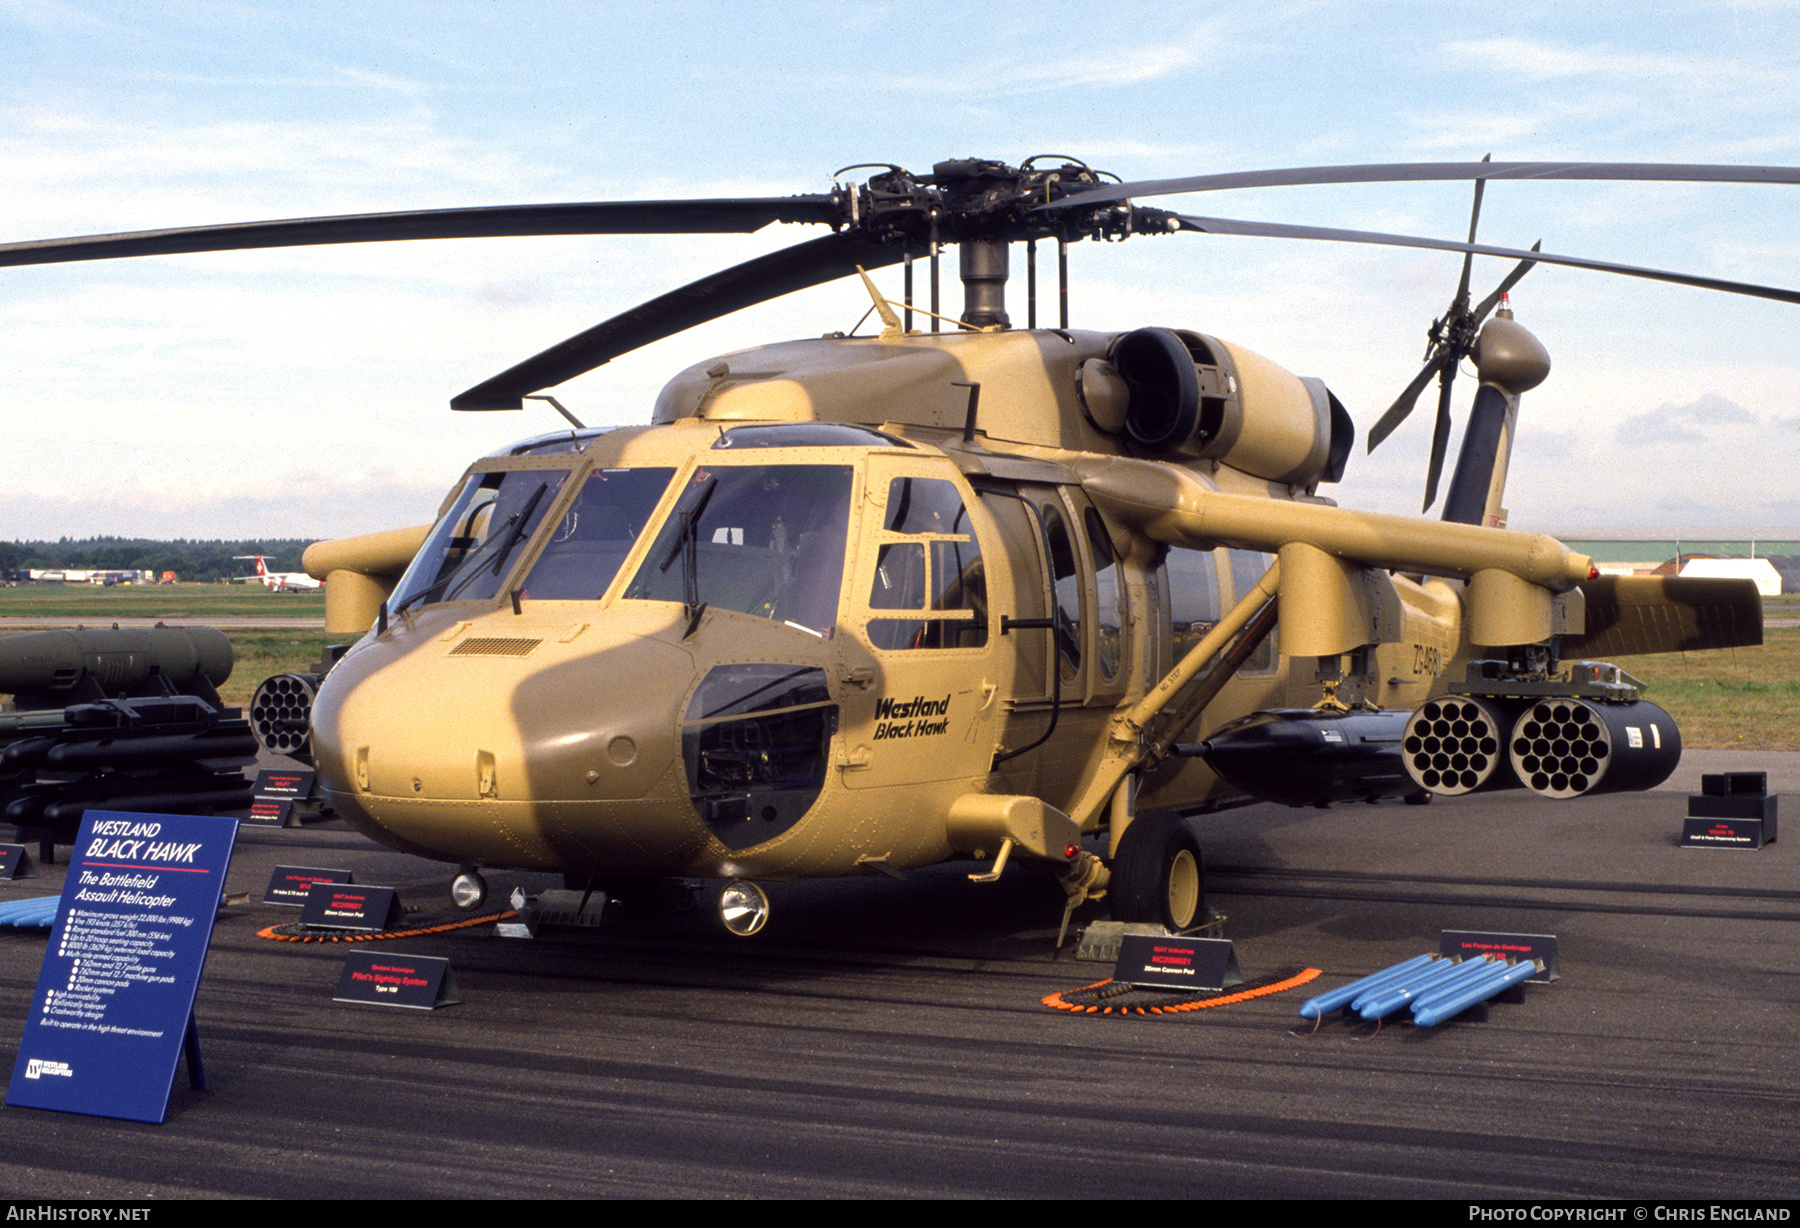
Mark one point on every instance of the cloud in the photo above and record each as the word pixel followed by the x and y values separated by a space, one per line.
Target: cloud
pixel 1547 441
pixel 118 174
pixel 1542 61
pixel 294 505
pixel 1086 68
pixel 1671 423
pixel 1643 430
pixel 327 79
pixel 1713 408
pixel 62 20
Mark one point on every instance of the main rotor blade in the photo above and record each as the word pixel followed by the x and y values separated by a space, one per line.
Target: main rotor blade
pixel 1403 404
pixel 799 267
pixel 1426 172
pixel 1280 230
pixel 616 217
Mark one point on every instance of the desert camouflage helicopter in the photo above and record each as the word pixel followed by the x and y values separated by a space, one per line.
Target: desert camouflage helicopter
pixel 863 604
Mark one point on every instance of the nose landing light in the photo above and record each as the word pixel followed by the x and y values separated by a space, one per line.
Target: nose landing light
pixel 744 908
pixel 468 890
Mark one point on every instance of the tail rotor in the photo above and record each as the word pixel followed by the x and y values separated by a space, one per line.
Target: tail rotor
pixel 1449 340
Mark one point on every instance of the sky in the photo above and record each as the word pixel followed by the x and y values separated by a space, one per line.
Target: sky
pixel 304 393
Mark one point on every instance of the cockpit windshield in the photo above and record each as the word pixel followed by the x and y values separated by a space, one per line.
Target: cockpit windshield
pixel 590 542
pixel 469 551
pixel 766 540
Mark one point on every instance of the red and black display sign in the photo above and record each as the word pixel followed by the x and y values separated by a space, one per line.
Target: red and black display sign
pixel 289 884
pixel 277 793
pixel 384 978
pixel 340 906
pixel 1518 948
pixel 1152 962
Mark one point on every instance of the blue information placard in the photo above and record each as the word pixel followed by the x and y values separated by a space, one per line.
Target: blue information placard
pixel 115 995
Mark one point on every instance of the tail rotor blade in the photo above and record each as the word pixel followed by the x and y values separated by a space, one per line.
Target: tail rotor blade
pixel 1443 361
pixel 1505 287
pixel 1403 404
pixel 1462 288
pixel 1440 436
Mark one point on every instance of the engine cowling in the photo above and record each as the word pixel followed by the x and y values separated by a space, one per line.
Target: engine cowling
pixel 1197 396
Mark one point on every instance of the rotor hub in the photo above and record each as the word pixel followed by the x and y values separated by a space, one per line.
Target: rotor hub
pixel 974 199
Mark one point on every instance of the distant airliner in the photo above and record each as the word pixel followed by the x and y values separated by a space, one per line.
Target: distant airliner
pixel 280 581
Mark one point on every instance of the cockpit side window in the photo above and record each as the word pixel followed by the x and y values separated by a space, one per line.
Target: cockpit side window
pixel 928 564
pixel 471 549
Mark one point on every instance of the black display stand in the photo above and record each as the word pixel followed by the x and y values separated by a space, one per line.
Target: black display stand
pixel 1733 810
pixel 15 862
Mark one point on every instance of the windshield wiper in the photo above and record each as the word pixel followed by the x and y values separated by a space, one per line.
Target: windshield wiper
pixel 687 546
pixel 464 572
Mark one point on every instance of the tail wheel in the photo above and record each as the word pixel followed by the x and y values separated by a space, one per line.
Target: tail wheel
pixel 1158 875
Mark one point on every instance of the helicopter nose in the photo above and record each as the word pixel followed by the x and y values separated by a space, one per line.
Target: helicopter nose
pixel 524 750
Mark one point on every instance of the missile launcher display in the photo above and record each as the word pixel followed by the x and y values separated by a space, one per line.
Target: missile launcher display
pixel 117 720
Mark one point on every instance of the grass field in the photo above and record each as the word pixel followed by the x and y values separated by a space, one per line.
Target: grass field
pixel 1728 698
pixel 259 653
pixel 59 604
pixel 262 653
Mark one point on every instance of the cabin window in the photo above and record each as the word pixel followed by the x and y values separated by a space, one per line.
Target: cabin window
pixel 1065 574
pixel 1109 594
pixel 1247 567
pixel 929 564
pixel 1193 597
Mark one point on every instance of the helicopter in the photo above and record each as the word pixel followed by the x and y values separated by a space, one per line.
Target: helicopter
pixel 861 604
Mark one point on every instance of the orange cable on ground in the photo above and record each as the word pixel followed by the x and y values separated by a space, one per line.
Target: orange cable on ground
pixel 1098 991
pixel 285 933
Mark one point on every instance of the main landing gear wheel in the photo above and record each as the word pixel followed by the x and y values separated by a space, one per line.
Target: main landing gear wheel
pixel 1158 875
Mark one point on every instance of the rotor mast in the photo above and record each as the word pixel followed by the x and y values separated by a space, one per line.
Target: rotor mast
pixel 984 272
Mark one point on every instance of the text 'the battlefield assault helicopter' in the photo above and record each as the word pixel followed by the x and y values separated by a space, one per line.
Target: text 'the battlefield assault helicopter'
pixel 870 603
